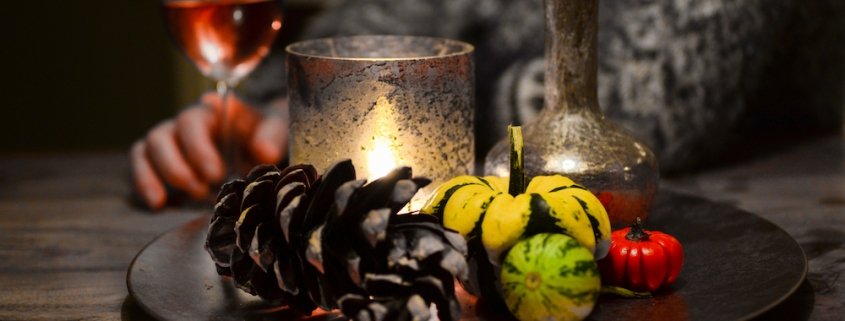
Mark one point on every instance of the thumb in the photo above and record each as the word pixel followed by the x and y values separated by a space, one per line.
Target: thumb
pixel 270 139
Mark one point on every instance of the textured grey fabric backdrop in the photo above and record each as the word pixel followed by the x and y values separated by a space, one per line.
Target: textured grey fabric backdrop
pixel 685 76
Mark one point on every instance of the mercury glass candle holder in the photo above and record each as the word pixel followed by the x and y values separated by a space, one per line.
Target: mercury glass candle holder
pixel 383 102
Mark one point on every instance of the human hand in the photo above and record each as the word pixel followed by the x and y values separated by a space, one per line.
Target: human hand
pixel 182 152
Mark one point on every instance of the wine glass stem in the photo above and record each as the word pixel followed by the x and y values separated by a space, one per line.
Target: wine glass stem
pixel 228 150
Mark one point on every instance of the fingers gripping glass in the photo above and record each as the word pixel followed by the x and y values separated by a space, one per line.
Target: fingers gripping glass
pixel 225 40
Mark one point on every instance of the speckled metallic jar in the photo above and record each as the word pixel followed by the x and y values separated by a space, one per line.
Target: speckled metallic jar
pixel 383 101
pixel 571 135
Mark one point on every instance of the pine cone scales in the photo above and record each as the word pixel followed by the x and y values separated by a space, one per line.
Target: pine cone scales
pixel 336 242
pixel 244 235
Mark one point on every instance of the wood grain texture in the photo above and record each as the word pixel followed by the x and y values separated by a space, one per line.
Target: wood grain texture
pixel 68 234
pixel 68 231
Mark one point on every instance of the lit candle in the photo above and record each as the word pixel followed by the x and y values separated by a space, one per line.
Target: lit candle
pixel 382 157
pixel 383 102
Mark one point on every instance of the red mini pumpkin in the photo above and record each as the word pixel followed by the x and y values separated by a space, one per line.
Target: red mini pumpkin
pixel 642 260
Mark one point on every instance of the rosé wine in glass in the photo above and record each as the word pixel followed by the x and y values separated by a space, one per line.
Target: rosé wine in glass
pixel 225 40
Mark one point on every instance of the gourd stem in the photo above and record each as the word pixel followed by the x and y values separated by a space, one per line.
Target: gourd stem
pixel 637 233
pixel 516 182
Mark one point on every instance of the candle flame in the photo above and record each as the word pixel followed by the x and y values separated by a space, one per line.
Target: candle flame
pixel 383 156
pixel 381 159
pixel 385 153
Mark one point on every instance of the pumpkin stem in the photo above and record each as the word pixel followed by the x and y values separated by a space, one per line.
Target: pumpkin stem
pixel 637 233
pixel 516 182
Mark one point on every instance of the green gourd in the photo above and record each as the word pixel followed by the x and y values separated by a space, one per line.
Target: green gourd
pixel 550 277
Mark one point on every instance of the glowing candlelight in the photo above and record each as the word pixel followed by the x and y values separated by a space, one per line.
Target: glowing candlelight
pixel 381 159
pixel 383 102
pixel 383 156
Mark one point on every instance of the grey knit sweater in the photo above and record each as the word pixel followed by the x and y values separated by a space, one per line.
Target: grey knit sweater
pixel 685 76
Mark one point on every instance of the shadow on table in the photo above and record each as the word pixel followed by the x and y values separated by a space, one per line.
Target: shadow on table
pixel 131 311
pixel 797 306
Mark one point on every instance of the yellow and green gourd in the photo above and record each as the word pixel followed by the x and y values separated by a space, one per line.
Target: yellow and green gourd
pixel 501 210
pixel 550 277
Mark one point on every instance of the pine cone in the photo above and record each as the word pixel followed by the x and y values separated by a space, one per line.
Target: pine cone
pixel 336 242
pixel 248 239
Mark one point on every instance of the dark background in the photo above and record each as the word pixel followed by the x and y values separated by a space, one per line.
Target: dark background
pixel 94 74
pixel 89 74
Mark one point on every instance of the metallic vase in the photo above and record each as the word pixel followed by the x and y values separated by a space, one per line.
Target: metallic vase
pixel 571 135
pixel 384 102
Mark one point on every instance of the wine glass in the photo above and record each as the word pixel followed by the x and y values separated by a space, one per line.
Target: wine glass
pixel 225 40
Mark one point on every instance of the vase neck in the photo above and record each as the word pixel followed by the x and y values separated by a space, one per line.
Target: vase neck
pixel 571 67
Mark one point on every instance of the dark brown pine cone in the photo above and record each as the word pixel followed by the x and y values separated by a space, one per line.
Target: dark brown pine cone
pixel 247 238
pixel 384 265
pixel 336 242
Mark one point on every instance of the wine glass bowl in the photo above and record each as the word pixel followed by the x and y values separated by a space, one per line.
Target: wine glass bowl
pixel 225 40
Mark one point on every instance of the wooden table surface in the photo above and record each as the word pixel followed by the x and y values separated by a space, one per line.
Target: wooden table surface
pixel 68 231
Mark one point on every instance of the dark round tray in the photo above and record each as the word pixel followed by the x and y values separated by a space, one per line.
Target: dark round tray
pixel 737 266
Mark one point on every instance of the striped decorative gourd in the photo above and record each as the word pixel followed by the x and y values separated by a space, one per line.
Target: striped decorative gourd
pixel 550 277
pixel 501 211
